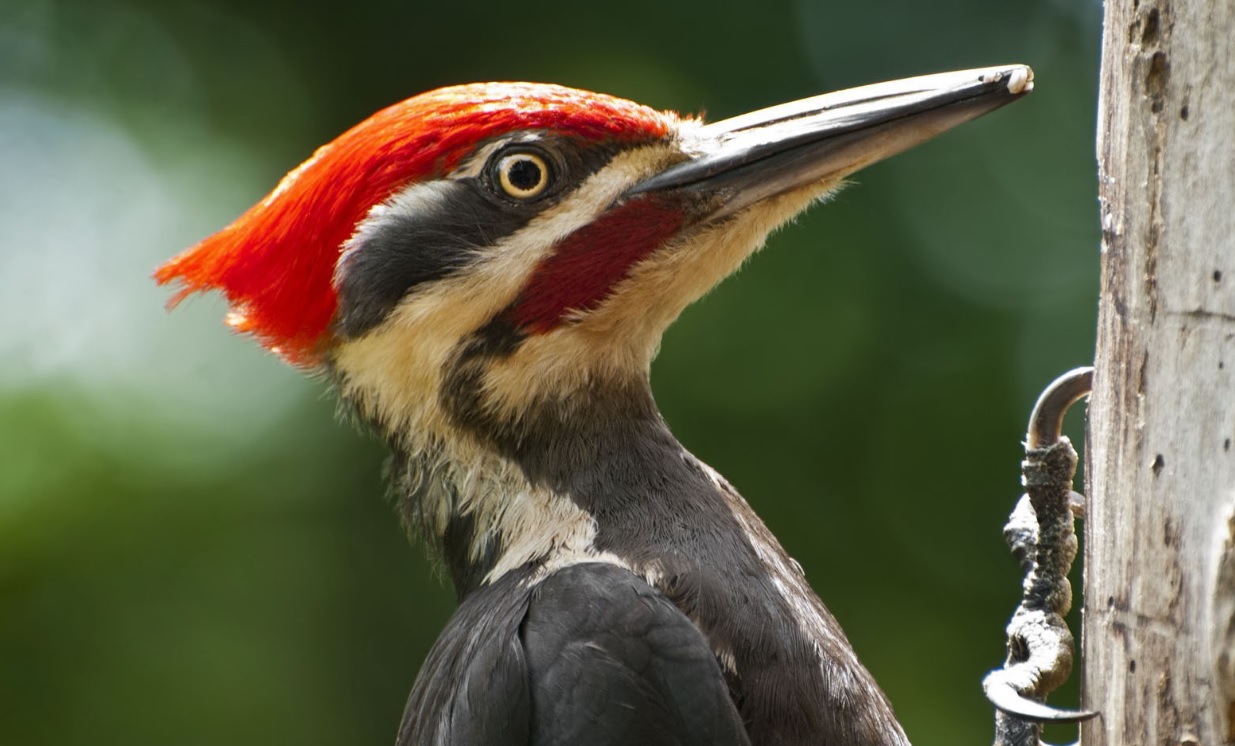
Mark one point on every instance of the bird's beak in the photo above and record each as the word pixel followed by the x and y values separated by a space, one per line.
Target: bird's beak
pixel 739 161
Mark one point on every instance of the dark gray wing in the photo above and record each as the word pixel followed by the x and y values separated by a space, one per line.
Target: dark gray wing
pixel 473 688
pixel 612 662
pixel 590 655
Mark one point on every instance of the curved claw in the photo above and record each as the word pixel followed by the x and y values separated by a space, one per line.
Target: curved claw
pixel 1046 422
pixel 1004 697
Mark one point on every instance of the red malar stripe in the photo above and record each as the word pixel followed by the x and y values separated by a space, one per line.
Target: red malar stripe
pixel 584 269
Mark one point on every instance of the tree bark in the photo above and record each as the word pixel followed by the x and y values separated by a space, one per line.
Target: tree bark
pixel 1159 595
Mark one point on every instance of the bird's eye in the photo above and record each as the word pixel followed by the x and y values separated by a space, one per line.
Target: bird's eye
pixel 523 175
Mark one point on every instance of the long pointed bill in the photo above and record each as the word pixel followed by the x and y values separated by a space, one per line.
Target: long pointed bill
pixel 751 157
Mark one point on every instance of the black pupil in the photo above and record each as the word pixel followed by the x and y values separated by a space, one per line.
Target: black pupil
pixel 525 174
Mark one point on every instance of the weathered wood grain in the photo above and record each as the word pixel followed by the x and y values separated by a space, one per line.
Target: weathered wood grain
pixel 1159 597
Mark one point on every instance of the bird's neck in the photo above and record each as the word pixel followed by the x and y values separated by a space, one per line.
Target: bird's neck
pixel 597 477
pixel 544 491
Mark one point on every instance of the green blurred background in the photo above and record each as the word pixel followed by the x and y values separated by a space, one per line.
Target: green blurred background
pixel 193 551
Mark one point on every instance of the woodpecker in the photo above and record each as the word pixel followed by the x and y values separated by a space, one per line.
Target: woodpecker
pixel 483 273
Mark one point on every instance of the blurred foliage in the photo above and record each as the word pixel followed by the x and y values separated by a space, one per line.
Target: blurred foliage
pixel 192 550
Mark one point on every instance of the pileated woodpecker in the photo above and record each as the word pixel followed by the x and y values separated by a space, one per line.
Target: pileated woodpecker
pixel 484 273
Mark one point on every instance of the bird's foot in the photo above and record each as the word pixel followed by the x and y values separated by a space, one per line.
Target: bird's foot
pixel 1041 535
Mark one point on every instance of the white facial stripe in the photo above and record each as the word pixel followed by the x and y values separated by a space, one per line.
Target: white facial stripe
pixel 394 371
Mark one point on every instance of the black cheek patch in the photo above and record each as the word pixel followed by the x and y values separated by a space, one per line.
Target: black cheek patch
pixel 407 249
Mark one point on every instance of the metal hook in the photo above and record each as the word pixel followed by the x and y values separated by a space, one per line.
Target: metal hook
pixel 1041 535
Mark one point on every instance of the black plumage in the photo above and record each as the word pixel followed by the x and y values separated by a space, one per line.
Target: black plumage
pixel 721 585
pixel 589 655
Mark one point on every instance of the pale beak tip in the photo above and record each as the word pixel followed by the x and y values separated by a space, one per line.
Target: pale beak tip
pixel 1019 79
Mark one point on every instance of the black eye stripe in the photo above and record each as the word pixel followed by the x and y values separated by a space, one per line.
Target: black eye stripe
pixel 408 248
pixel 419 241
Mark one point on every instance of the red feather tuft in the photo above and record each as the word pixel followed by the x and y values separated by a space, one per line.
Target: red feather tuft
pixel 276 262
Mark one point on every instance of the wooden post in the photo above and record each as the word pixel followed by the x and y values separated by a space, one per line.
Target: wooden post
pixel 1159 594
